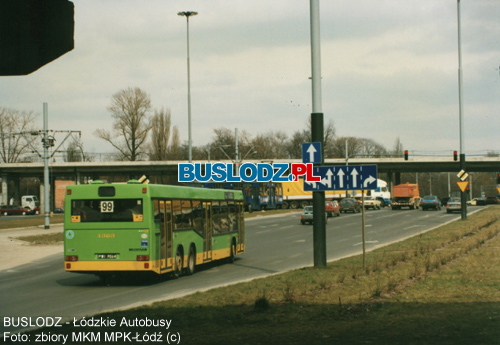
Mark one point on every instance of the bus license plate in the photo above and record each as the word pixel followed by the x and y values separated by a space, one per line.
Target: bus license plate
pixel 106 256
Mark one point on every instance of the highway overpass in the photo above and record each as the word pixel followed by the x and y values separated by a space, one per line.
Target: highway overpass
pixel 81 171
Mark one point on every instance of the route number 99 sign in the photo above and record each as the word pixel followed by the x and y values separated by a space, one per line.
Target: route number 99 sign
pixel 107 206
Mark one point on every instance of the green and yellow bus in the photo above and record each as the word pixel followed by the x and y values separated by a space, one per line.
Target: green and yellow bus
pixel 133 227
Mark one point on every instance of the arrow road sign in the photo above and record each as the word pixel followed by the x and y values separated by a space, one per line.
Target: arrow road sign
pixel 347 177
pixel 311 152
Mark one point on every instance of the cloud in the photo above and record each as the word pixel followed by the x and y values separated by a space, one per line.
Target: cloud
pixel 389 68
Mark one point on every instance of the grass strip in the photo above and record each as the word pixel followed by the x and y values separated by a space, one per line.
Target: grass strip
pixel 440 287
pixel 28 221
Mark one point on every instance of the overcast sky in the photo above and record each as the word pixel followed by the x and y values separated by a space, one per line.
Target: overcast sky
pixel 389 69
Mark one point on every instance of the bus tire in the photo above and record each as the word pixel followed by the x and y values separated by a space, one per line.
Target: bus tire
pixel 250 210
pixel 178 263
pixel 191 264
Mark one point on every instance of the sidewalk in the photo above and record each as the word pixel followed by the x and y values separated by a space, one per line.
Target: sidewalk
pixel 15 252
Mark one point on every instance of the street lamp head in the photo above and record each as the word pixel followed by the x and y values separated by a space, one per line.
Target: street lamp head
pixel 187 13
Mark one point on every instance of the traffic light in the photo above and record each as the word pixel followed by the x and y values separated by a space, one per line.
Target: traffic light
pixel 406 155
pixel 498 178
pixel 455 155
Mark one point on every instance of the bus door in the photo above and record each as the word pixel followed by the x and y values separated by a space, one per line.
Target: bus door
pixel 271 196
pixel 255 196
pixel 241 228
pixel 207 243
pixel 166 235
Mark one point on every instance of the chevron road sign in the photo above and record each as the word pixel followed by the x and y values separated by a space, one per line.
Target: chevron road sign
pixel 349 177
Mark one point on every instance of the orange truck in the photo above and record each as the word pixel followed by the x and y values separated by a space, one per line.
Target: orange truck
pixel 405 195
pixel 295 197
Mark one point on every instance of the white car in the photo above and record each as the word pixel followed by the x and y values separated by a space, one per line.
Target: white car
pixel 371 202
pixel 472 202
pixel 454 204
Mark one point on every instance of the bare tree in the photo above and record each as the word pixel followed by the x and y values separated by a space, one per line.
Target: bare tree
pixel 12 143
pixel 294 146
pixel 75 152
pixel 223 145
pixel 175 151
pixel 130 109
pixel 356 147
pixel 397 149
pixel 160 134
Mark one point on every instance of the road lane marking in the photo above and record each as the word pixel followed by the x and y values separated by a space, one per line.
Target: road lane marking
pixel 366 242
pixel 262 232
pixel 413 226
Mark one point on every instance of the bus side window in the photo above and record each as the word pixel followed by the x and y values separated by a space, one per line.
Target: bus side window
pixel 216 218
pixel 198 217
pixel 176 215
pixel 224 219
pixel 187 212
pixel 233 217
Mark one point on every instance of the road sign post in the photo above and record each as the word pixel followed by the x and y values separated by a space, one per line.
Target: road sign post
pixel 463 196
pixel 315 153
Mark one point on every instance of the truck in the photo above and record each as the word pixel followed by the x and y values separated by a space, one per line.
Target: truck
pixel 382 193
pixel 31 202
pixel 405 195
pixel 295 197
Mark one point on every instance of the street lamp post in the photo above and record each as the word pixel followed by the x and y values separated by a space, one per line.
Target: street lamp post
pixel 188 14
pixel 463 196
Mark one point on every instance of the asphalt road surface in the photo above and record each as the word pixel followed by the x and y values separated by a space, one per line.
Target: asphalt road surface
pixel 273 244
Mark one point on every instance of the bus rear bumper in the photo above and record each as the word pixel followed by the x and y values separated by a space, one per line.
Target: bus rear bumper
pixel 99 266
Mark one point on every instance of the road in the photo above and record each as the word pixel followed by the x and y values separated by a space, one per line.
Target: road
pixel 274 244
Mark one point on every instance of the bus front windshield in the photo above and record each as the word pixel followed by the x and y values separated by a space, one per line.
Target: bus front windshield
pixel 115 210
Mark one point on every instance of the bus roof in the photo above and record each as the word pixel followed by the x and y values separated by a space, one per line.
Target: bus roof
pixel 131 189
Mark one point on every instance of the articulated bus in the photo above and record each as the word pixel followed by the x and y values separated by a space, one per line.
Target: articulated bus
pixel 114 228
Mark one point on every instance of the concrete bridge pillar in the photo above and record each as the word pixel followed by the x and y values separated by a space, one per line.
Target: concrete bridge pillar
pixel 17 190
pixel 398 178
pixel 5 190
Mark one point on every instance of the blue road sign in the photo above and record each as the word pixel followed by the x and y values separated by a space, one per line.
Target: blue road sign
pixel 311 152
pixel 349 177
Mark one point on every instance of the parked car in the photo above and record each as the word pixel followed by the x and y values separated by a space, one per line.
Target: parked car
pixel 371 202
pixel 492 200
pixel 14 210
pixel 472 202
pixel 307 215
pixel 481 201
pixel 332 208
pixel 430 201
pixel 454 204
pixel 350 205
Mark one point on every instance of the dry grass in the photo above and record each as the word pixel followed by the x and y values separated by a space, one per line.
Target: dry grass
pixel 442 287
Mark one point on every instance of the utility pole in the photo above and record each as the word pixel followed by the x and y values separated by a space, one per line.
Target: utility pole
pixel 317 123
pixel 47 142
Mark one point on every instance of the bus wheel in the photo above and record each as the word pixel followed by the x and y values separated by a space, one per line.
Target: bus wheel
pixel 178 263
pixel 191 263
pixel 250 208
